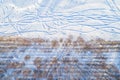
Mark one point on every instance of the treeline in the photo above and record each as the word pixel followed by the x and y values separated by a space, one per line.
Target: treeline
pixel 76 44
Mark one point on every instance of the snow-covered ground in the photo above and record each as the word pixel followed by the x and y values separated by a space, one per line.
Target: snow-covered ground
pixel 54 19
pixel 59 64
pixel 34 18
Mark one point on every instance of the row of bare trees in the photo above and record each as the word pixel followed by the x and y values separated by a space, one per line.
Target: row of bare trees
pixel 78 45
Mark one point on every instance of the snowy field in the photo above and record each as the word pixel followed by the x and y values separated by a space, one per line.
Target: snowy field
pixel 55 19
pixel 31 63
pixel 35 18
